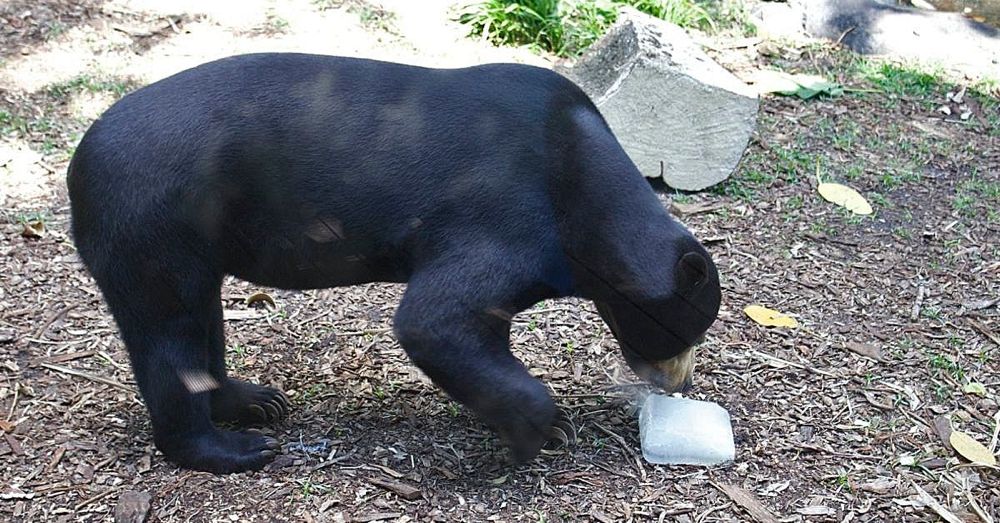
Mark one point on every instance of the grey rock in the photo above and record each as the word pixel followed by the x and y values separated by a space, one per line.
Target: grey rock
pixel 133 507
pixel 678 114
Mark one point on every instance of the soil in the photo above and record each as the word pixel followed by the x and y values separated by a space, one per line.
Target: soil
pixel 838 420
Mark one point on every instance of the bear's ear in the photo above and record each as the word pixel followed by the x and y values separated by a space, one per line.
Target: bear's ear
pixel 691 273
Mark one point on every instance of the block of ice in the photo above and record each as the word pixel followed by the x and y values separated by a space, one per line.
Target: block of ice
pixel 677 431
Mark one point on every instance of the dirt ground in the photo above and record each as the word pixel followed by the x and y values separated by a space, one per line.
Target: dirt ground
pixel 843 419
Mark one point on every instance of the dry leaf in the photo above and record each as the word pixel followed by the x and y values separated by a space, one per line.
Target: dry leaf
pixel 35 229
pixel 974 388
pixel 878 486
pixel 6 426
pixel 769 317
pixel 942 425
pixel 846 197
pixel 971 449
pixel 804 86
pixel 261 297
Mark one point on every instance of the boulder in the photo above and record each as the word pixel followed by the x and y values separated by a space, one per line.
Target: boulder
pixel 678 114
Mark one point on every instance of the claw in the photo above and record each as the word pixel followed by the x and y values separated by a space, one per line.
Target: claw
pixel 270 412
pixel 563 431
pixel 557 434
pixel 258 412
pixel 280 411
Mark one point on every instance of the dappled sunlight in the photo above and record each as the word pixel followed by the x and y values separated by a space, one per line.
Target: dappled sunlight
pixel 89 105
pixel 25 178
pixel 55 61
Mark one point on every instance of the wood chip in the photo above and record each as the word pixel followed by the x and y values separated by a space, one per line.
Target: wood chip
pixel 748 502
pixel 241 314
pixel 403 490
pixel 867 350
pixel 984 331
pixel 15 446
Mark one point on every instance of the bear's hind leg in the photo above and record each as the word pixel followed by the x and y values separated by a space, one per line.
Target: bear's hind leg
pixel 165 307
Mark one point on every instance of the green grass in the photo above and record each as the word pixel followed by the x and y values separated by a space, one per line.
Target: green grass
pixel 90 83
pixel 902 80
pixel 939 362
pixel 567 27
pixel 735 187
pixel 12 124
pixel 275 22
pixel 974 191
pixel 31 217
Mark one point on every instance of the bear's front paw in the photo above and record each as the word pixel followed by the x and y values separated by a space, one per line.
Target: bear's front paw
pixel 526 426
pixel 219 451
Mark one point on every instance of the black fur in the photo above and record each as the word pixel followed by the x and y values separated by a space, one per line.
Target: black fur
pixel 487 189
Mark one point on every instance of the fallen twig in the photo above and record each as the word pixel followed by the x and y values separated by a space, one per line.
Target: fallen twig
pixel 50 320
pixel 984 331
pixel 926 499
pixel 768 357
pixel 86 376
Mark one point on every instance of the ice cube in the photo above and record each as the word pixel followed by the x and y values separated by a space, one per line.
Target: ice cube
pixel 678 431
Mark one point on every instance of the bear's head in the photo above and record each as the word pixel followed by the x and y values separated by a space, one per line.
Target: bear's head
pixel 657 334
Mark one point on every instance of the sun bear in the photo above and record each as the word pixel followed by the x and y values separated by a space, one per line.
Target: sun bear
pixel 486 189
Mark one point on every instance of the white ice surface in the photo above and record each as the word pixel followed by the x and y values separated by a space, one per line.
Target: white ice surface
pixel 677 431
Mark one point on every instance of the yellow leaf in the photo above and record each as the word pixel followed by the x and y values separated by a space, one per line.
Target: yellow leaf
pixel 769 318
pixel 971 449
pixel 846 197
pixel 974 388
pixel 261 297
pixel 35 229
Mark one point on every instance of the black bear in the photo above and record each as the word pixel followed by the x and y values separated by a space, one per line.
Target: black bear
pixel 486 189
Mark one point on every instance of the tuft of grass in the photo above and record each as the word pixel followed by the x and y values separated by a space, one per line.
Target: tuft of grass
pixel 11 123
pixel 89 83
pixel 31 217
pixel 902 80
pixel 567 27
pixel 535 23
pixel 685 13
pixel 735 187
pixel 940 362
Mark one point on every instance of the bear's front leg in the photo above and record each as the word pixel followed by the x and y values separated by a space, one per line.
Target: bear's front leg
pixel 451 324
